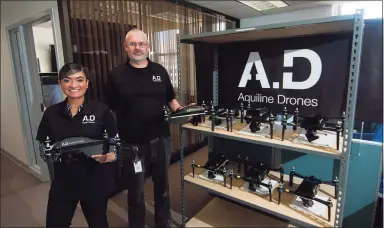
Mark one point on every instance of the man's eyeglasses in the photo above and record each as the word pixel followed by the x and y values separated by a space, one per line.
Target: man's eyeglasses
pixel 139 44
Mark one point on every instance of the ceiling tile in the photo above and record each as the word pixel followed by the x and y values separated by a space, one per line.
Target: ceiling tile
pixel 218 4
pixel 295 3
pixel 241 12
pixel 278 10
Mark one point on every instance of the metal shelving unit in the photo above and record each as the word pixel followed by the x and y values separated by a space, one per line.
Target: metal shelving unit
pixel 351 23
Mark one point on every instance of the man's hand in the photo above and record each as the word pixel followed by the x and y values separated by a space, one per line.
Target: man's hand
pixel 105 158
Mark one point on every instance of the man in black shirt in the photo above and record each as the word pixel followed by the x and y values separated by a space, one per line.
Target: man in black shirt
pixel 137 92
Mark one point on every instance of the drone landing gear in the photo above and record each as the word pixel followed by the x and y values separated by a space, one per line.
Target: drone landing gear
pixel 256 175
pixel 307 202
pixel 312 182
pixel 285 124
pixel 308 190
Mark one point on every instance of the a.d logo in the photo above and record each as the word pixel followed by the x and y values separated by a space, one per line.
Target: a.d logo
pixel 89 119
pixel 156 78
pixel 288 83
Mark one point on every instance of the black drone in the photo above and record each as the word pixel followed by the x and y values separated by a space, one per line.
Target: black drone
pixel 190 113
pixel 312 124
pixel 253 117
pixel 71 148
pixel 196 114
pixel 216 165
pixel 256 174
pixel 218 115
pixel 308 189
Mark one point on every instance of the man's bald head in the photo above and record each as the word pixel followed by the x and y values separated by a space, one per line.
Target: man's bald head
pixel 136 33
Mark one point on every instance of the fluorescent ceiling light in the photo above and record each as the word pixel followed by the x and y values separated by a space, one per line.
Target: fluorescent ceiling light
pixel 264 5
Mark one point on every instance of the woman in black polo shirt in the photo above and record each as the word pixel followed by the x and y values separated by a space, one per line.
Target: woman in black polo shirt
pixel 89 181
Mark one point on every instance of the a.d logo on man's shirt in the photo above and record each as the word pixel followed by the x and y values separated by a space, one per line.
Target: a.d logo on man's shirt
pixel 90 119
pixel 156 78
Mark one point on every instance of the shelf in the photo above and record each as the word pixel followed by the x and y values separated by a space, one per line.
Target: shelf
pixel 221 213
pixel 277 143
pixel 282 210
pixel 282 30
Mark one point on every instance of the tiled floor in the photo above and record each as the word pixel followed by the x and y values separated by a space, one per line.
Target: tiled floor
pixel 24 197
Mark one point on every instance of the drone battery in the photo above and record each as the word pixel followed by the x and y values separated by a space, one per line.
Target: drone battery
pixel 307 189
pixel 259 171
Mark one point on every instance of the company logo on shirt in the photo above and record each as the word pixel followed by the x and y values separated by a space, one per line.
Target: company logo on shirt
pixel 156 78
pixel 89 119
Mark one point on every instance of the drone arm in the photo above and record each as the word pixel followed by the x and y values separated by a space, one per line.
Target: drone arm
pixel 334 183
pixel 328 203
pixel 223 164
pixel 281 170
pixel 46 154
pixel 194 165
pixel 284 123
pixel 338 128
pixel 213 116
pixel 115 146
pixel 329 128
pixel 298 175
pixel 271 123
pixel 241 112
pixel 293 174
pixel 269 186
pixel 296 119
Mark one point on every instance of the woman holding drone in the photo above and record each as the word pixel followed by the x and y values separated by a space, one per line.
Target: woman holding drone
pixel 80 178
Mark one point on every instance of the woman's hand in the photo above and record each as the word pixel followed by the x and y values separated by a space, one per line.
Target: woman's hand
pixel 105 158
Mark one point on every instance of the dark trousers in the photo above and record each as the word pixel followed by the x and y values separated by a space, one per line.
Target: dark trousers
pixel 62 206
pixel 155 160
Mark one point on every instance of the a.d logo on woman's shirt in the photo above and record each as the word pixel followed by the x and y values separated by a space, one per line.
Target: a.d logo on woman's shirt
pixel 89 119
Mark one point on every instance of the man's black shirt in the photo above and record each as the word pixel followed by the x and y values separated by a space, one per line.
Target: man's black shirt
pixel 86 177
pixel 137 96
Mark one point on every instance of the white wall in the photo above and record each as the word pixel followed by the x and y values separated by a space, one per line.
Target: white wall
pixel 43 38
pixel 305 14
pixel 12 136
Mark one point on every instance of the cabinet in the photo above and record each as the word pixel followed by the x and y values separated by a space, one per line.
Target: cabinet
pixel 351 24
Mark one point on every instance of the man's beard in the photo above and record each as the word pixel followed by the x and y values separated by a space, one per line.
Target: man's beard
pixel 135 58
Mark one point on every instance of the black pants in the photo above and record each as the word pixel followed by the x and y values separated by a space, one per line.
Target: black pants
pixel 155 159
pixel 62 206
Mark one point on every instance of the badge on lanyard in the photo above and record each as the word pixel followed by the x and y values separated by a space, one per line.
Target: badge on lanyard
pixel 137 164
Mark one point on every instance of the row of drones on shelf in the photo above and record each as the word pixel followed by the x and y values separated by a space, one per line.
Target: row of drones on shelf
pixel 307 189
pixel 256 116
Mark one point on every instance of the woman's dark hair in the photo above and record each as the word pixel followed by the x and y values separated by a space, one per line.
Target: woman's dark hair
pixel 72 68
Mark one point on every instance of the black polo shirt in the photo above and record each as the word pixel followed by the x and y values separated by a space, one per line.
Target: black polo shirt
pixel 85 177
pixel 137 96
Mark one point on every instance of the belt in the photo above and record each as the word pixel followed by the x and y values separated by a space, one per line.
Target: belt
pixel 127 143
pixel 152 144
